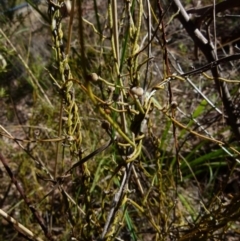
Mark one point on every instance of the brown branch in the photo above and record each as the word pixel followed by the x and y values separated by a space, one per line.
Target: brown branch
pixel 212 64
pixel 205 46
pixel 208 10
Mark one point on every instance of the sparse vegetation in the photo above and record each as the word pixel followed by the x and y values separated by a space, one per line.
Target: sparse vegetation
pixel 119 120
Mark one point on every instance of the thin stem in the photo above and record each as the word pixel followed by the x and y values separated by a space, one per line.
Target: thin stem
pixel 70 25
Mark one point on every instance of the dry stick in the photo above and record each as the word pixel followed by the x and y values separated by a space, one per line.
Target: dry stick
pixel 196 88
pixel 214 28
pixel 70 25
pixel 205 46
pixel 35 81
pixel 19 227
pixel 149 26
pixel 34 211
pixel 117 199
pixel 92 154
pixel 212 64
pixel 206 11
pixel 81 38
